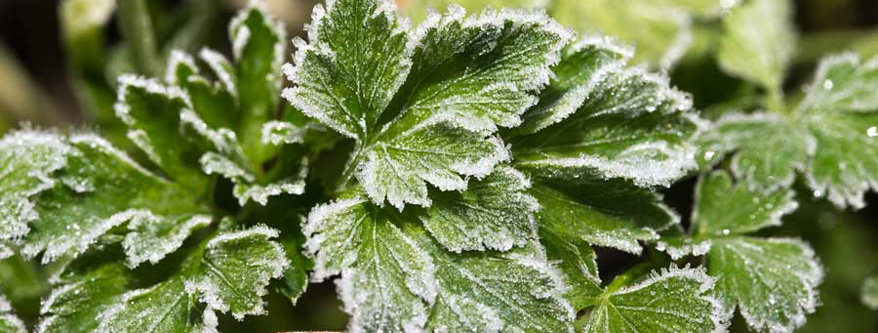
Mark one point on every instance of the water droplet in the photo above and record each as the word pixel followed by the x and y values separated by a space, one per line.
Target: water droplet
pixel 872 131
pixel 827 85
pixel 726 231
pixel 818 193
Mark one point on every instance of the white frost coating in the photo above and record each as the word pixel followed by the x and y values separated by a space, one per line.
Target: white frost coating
pixel 7 317
pixel 242 36
pixel 213 163
pixel 277 132
pixel 211 322
pixel 810 279
pixel 313 228
pixel 718 315
pixel 643 170
pixel 211 293
pixel 149 245
pixel 142 141
pixel 222 139
pixel 16 210
pixel 603 42
pixel 221 68
pixel 691 247
pixel 78 245
pixel 178 57
pixel 261 193
pixel 151 85
pixel 99 143
pixel 5 251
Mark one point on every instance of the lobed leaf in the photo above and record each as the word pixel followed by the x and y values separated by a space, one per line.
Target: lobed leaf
pixel 723 208
pixel 163 308
pixel 772 281
pixel 674 300
pixel 75 303
pixel 434 97
pixel 576 261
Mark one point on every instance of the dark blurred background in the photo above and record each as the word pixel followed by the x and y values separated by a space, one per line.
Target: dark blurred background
pixel 36 85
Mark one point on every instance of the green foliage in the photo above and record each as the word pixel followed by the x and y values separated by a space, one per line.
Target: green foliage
pixel 458 176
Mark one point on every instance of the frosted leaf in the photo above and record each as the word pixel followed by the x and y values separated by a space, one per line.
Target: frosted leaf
pixel 773 282
pixel 583 67
pixel 222 68
pixel 385 275
pixel 247 187
pixel 515 291
pixel 356 59
pixel 163 308
pixel 660 29
pixel 153 237
pixel 152 112
pixel 494 213
pixel 845 163
pixel 614 123
pixel 829 137
pixel 770 149
pixel 434 98
pixel 673 300
pixel 259 46
pixel 759 42
pixel 722 208
pixel 74 305
pixel 27 160
pixel 869 293
pixel 278 132
pixel 611 215
pixel 70 221
pixel 576 261
pixel 9 323
pixel 235 270
pixel 681 246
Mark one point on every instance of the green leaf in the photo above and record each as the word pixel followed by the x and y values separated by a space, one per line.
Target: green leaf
pixel 9 323
pixel 394 275
pixel 27 160
pixel 236 268
pixel 385 274
pixel 74 305
pixel 869 293
pixel 828 137
pixel 759 42
pixel 467 77
pixel 247 187
pixel 576 261
pixel 770 149
pixel 613 122
pixel 163 308
pixel 611 215
pixel 772 281
pixel 494 213
pixel 723 208
pixel 259 46
pixel 674 300
pixel 99 188
pixel 213 102
pixel 152 112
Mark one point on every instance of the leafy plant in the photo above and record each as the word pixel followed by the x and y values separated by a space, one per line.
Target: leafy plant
pixel 458 176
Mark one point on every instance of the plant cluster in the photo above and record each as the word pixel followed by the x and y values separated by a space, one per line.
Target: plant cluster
pixel 453 177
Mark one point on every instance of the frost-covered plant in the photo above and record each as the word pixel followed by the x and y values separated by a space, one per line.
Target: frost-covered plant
pixel 453 177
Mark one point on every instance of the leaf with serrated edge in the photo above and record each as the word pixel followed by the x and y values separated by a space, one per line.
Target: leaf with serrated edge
pixel 468 76
pixel 869 292
pixel 385 276
pixel 759 42
pixel 153 237
pixel 601 218
pixel 494 213
pixel 74 305
pixel 615 123
pixel 163 308
pixel 236 268
pixel 772 281
pixel 722 208
pixel 27 160
pixel 101 188
pixel 673 300
pixel 9 323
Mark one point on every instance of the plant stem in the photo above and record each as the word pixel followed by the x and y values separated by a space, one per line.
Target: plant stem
pixel 349 168
pixel 138 32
